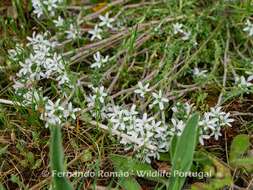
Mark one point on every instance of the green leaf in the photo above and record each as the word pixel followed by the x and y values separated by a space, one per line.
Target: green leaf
pixel 21 185
pixel 135 168
pixel 2 187
pixel 3 150
pixel 173 146
pixel 221 178
pixel 183 156
pixel 129 183
pixel 243 161
pixel 57 160
pixel 239 146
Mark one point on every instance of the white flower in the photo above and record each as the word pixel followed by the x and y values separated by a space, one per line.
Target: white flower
pixel 188 108
pixel 59 22
pixel 70 111
pixel 199 73
pixel 203 137
pixel 178 126
pixel 106 21
pixel 53 107
pixel 96 33
pixel 186 35
pixel 216 133
pixel 99 60
pixel 39 41
pixel 142 89
pixel 216 112
pixel 73 32
pixel 26 68
pixel 63 79
pixel 248 28
pixel 51 6
pixel 242 82
pixel 15 53
pixel 207 122
pixel 177 28
pixel 250 78
pixel 225 120
pixel 53 113
pixel 118 119
pixel 52 120
pixel 159 99
pixel 99 93
pixel 17 85
pixel 38 7
pixel 144 123
pixel 174 109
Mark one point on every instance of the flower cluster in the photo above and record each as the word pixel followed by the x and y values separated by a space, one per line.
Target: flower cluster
pixel 139 126
pixel 45 7
pixel 42 63
pixel 57 114
pixel 143 128
pixel 212 123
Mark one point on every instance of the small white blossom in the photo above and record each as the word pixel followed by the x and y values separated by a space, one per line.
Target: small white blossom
pixel 178 126
pixel 99 92
pixel 199 73
pixel 177 28
pixel 59 22
pixel 216 112
pixel 216 133
pixel 248 28
pixel 186 35
pixel 38 8
pixel 99 60
pixel 203 137
pixel 14 54
pixel 142 90
pixel 159 99
pixel 225 120
pixel 208 122
pixel 250 78
pixel 106 21
pixel 73 32
pixel 242 82
pixel 50 6
pixel 96 33
pixel 144 122
pixel 70 111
